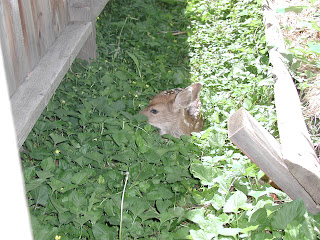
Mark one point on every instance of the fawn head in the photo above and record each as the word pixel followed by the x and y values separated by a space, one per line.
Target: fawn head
pixel 177 111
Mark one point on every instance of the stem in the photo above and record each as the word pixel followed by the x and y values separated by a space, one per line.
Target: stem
pixel 121 213
pixel 125 21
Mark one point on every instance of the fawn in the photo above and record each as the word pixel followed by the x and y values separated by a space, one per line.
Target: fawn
pixel 176 111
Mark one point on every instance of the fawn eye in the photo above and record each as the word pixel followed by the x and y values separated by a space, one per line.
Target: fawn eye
pixel 154 111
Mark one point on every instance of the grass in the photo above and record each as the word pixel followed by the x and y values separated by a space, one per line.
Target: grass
pixel 90 138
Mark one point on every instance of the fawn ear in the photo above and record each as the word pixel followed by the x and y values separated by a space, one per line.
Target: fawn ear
pixel 195 90
pixel 187 96
pixel 183 99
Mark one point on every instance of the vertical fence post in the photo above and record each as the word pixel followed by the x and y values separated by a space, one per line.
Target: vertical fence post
pixel 12 42
pixel 82 10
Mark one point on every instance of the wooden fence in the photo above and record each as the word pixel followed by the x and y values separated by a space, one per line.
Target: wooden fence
pixel 293 164
pixel 39 40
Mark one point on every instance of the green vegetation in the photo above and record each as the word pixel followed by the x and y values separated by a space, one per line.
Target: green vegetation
pixel 90 138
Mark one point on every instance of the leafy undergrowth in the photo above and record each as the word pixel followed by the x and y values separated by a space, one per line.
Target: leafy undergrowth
pixel 91 137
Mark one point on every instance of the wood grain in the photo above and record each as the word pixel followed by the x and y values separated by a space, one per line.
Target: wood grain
pixel 297 148
pixel 98 6
pixel 81 10
pixel 12 42
pixel 260 146
pixel 33 95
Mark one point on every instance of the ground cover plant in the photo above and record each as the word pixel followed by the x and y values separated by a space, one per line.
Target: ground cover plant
pixel 94 169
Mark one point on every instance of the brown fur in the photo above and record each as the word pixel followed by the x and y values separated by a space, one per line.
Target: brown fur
pixel 177 111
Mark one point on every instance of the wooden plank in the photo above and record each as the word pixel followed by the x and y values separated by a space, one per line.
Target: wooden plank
pixel 297 147
pixel 46 32
pixel 13 44
pixel 5 45
pixel 29 37
pixel 265 152
pixel 81 10
pixel 33 95
pixel 98 6
pixel 274 37
pixel 59 13
pixel 11 177
pixel 41 21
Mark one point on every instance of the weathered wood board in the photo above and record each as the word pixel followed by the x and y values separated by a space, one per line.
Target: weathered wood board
pixel 12 44
pixel 35 92
pixel 87 10
pixel 297 148
pixel 265 151
pixel 30 31
pixel 98 6
pixel 31 26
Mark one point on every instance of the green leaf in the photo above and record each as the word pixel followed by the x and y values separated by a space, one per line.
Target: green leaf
pixel 48 164
pixel 163 205
pixel 247 104
pixel 204 173
pixel 315 47
pixel 103 232
pixel 65 217
pixel 41 195
pixel 107 79
pixel 160 193
pixel 287 213
pixel 176 173
pixel 201 234
pixel 165 216
pixel 134 58
pixel 196 215
pixel 120 138
pixel 139 206
pixel 56 184
pixel 218 201
pixel 260 217
pixel 296 9
pixel 235 202
pixel 121 75
pixel 118 105
pixel 77 202
pixel 80 178
pixel 140 118
pixel 82 161
pixel 217 139
pixel 300 230
pixel 57 205
pixel 57 138
pixel 41 230
pixel 141 143
pixel 33 184
pixel 44 174
pixel 96 156
pixel 230 231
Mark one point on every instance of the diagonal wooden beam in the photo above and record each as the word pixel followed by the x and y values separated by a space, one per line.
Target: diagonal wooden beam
pixel 265 151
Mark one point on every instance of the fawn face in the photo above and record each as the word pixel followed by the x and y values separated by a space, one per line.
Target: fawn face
pixel 177 111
